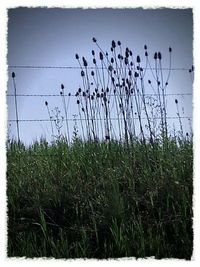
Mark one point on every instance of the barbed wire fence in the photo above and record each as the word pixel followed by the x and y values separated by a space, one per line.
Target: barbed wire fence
pixel 16 95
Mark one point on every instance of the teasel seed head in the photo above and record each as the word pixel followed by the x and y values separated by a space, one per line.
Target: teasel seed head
pixel 170 49
pixel 136 75
pixel 82 73
pixel 84 62
pixel 126 61
pixel 107 89
pixel 94 39
pixel 77 56
pixel 138 59
pixel 113 44
pixel 111 49
pixel 155 55
pixel 127 54
pixel 69 94
pixel 119 43
pixel 13 75
pixel 159 56
pixel 166 83
pixel 61 92
pixel 83 109
pixel 92 73
pixel 79 90
pixel 176 101
pixel 84 94
pixel 146 54
pixel 92 97
pixel 100 56
pixel 78 102
pixel 94 61
pixel 62 86
pixel 149 81
pixel 131 63
pixel 98 94
pixel 131 53
pixel 145 47
pixel 130 73
pixel 112 60
pixel 46 103
pixel 93 53
pixel 110 68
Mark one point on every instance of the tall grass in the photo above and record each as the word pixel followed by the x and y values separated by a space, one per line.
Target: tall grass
pixel 91 200
pixel 122 190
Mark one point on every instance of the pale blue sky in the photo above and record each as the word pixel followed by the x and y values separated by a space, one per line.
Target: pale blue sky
pixel 43 37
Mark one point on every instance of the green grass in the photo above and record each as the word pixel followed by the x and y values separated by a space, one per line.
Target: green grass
pixel 98 200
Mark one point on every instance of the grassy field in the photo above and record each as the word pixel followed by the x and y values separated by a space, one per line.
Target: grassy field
pixel 100 200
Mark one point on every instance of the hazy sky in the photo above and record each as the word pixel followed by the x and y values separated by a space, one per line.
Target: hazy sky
pixel 52 37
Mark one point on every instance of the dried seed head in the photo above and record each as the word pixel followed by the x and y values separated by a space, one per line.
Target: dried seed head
pixel 82 73
pixel 92 97
pixel 159 56
pixel 114 91
pixel 131 63
pixel 145 47
pixel 112 60
pixel 83 110
pixel 107 89
pixel 94 61
pixel 79 90
pixel 110 68
pixel 126 60
pixel 136 74
pixel 155 55
pixel 130 73
pixel 77 56
pixel 69 94
pixel 84 62
pixel 113 44
pixel 130 52
pixel 138 59
pixel 166 83
pixel 170 49
pixel 92 73
pixel 62 86
pixel 119 56
pixel 84 94
pixel 61 92
pixel 127 54
pixel 119 43
pixel 93 53
pixel 78 102
pixel 176 101
pixel 98 95
pixel 46 103
pixel 149 81
pixel 100 56
pixel 77 94
pixel 94 39
pixel 13 75
pixel 146 54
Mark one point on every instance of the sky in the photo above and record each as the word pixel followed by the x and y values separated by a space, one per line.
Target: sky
pixel 52 37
